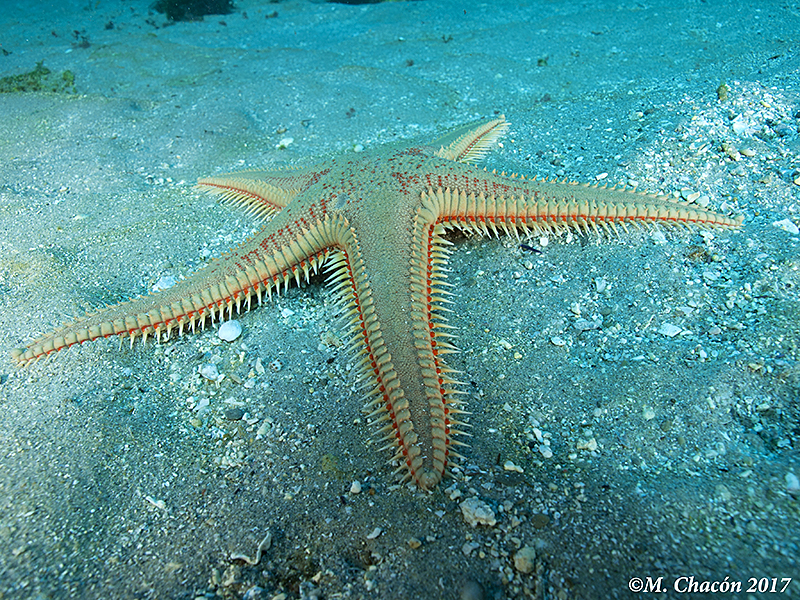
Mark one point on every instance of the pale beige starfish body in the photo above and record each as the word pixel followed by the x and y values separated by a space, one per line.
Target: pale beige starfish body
pixel 377 219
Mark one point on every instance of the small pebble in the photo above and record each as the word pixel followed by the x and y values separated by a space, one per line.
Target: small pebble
pixel 468 547
pixel 234 413
pixel 558 341
pixel 375 533
pixel 477 512
pixel 540 521
pixel 414 543
pixel 723 493
pixel 355 487
pixel 471 590
pixel 510 466
pixel 229 331
pixel 731 151
pixel 255 593
pixel 585 325
pixel 767 179
pixel 792 484
pixel 524 560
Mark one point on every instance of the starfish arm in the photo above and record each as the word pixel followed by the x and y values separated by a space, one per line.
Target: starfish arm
pixel 471 142
pixel 261 193
pixel 478 200
pixel 282 252
pixel 395 319
pixel 493 203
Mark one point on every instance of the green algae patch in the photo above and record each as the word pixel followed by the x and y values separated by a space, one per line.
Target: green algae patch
pixel 41 79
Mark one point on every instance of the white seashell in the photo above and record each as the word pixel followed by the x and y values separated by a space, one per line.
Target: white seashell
pixel 229 331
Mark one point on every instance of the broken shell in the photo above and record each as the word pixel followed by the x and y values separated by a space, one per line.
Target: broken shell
pixel 229 331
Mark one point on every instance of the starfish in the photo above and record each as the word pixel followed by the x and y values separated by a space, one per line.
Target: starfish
pixel 377 220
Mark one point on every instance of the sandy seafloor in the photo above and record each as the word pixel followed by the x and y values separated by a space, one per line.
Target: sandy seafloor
pixel 646 386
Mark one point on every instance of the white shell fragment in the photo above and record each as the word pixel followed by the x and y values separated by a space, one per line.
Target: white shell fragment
pixel 264 545
pixel 229 331
pixel 788 226
pixel 210 372
pixel 477 512
pixel 658 237
pixel 669 330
